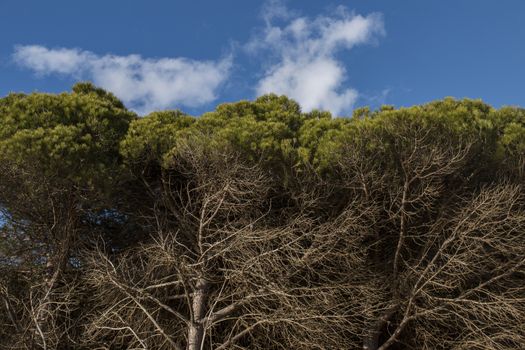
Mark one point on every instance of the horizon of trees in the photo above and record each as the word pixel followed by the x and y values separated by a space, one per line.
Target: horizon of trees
pixel 259 226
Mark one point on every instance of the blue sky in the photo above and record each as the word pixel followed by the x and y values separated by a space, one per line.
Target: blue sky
pixel 334 55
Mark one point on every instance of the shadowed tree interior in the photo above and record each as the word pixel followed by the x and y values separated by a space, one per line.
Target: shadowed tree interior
pixel 258 226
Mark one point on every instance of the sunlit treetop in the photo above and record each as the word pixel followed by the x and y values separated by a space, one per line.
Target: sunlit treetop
pixel 72 136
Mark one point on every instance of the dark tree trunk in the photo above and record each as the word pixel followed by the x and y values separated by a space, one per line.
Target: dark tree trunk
pixel 372 340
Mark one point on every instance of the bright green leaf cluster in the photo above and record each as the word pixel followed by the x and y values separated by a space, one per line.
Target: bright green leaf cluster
pixel 85 134
pixel 72 136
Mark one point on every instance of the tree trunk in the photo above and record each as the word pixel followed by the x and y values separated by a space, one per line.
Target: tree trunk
pixel 372 340
pixel 195 336
pixel 196 327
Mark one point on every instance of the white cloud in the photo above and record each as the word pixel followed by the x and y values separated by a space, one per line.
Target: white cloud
pixel 306 67
pixel 275 9
pixel 144 84
pixel 44 61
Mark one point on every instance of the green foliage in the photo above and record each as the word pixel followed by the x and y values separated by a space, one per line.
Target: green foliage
pixel 152 137
pixel 81 135
pixel 316 137
pixel 510 125
pixel 71 136
pixel 389 132
pixel 266 128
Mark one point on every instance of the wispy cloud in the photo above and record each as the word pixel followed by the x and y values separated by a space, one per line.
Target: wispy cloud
pixel 299 55
pixel 304 50
pixel 144 84
pixel 275 10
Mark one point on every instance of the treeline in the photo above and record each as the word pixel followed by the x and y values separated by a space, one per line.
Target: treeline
pixel 258 226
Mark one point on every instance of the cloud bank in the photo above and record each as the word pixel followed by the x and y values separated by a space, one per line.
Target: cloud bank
pixel 300 58
pixel 305 66
pixel 144 84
